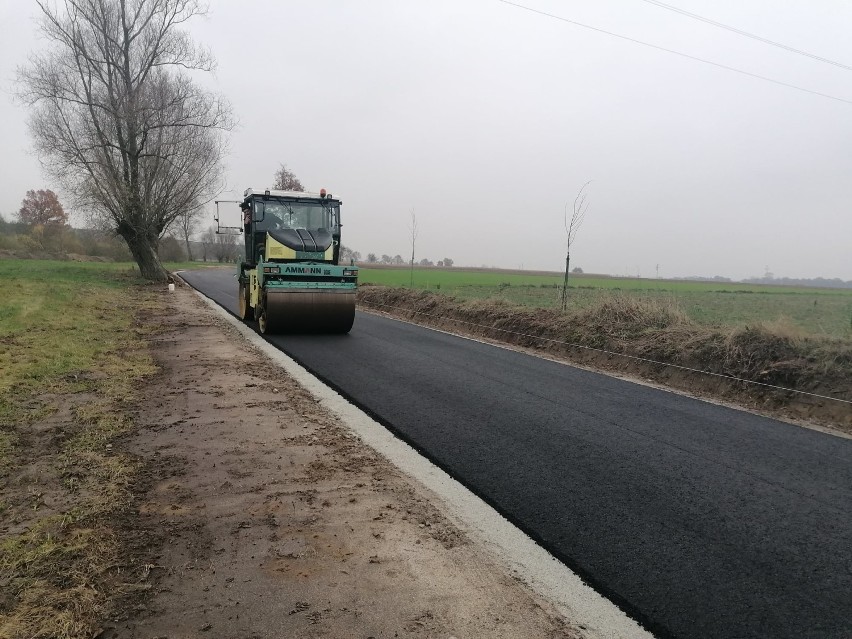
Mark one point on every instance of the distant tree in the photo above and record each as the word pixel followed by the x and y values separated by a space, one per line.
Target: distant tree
pixel 440 262
pixel 397 259
pixel 220 246
pixel 42 207
pixel 347 254
pixel 571 228
pixel 184 226
pixel 208 242
pixel 102 243
pixel 577 270
pixel 447 261
pixel 69 240
pixel 386 259
pixel 205 245
pixel 34 239
pixel 286 180
pixel 412 227
pixel 50 237
pixel 60 238
pixel 119 119
pixel 371 258
pixel 426 262
pixel 169 249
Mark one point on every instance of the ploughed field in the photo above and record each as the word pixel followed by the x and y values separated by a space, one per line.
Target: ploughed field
pixel 805 311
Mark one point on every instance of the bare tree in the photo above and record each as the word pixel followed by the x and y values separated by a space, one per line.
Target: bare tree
pixel 169 249
pixel 226 249
pixel 286 180
pixel 349 255
pixel 185 224
pixel 118 120
pixel 412 227
pixel 571 228
pixel 222 246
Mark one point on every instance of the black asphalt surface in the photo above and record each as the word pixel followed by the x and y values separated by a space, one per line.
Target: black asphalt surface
pixel 698 520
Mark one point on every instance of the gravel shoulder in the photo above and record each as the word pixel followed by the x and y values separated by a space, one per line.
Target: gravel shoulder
pixel 266 517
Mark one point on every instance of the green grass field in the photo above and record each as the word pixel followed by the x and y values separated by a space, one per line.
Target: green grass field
pixel 110 274
pixel 813 311
pixel 72 361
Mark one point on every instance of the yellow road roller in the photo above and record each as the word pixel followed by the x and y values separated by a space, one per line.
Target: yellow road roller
pixel 291 280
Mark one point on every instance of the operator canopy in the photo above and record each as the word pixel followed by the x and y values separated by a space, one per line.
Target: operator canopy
pixel 301 226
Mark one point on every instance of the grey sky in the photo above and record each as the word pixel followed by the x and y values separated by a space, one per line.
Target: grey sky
pixel 486 119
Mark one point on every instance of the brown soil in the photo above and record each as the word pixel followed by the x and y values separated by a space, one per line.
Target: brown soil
pixel 601 337
pixel 264 517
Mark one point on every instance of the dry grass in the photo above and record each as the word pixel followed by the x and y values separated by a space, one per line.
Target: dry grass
pixel 775 353
pixel 60 571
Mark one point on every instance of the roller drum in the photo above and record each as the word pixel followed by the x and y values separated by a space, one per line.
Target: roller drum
pixel 309 311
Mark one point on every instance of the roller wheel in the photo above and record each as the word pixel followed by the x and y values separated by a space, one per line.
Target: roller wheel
pixel 246 312
pixel 263 320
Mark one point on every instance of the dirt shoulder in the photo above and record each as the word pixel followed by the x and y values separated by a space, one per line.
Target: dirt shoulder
pixel 267 518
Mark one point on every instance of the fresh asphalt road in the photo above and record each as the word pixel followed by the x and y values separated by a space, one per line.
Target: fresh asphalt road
pixel 698 520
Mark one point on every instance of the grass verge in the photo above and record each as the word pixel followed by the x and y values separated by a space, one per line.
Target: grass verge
pixel 821 312
pixel 72 360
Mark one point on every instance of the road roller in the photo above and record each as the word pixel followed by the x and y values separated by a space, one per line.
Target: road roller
pixel 291 280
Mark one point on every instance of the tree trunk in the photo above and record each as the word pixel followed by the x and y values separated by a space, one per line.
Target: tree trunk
pixel 188 250
pixel 143 248
pixel 565 282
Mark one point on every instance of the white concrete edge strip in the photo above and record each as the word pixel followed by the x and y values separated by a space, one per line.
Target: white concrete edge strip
pixel 521 555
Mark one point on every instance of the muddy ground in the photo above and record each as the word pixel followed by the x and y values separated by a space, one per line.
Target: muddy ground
pixel 262 516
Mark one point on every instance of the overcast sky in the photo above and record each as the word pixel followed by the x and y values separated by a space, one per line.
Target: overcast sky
pixel 486 120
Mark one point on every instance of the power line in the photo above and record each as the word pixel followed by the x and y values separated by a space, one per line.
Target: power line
pixel 780 45
pixel 678 53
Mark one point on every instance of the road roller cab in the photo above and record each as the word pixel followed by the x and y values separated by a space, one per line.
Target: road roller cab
pixel 291 279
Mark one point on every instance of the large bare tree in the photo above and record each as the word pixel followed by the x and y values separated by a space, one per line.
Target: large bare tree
pixel 118 120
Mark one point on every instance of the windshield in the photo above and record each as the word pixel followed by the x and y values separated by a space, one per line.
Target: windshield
pixel 272 215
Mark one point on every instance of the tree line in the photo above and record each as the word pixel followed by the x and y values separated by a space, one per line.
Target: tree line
pixel 43 228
